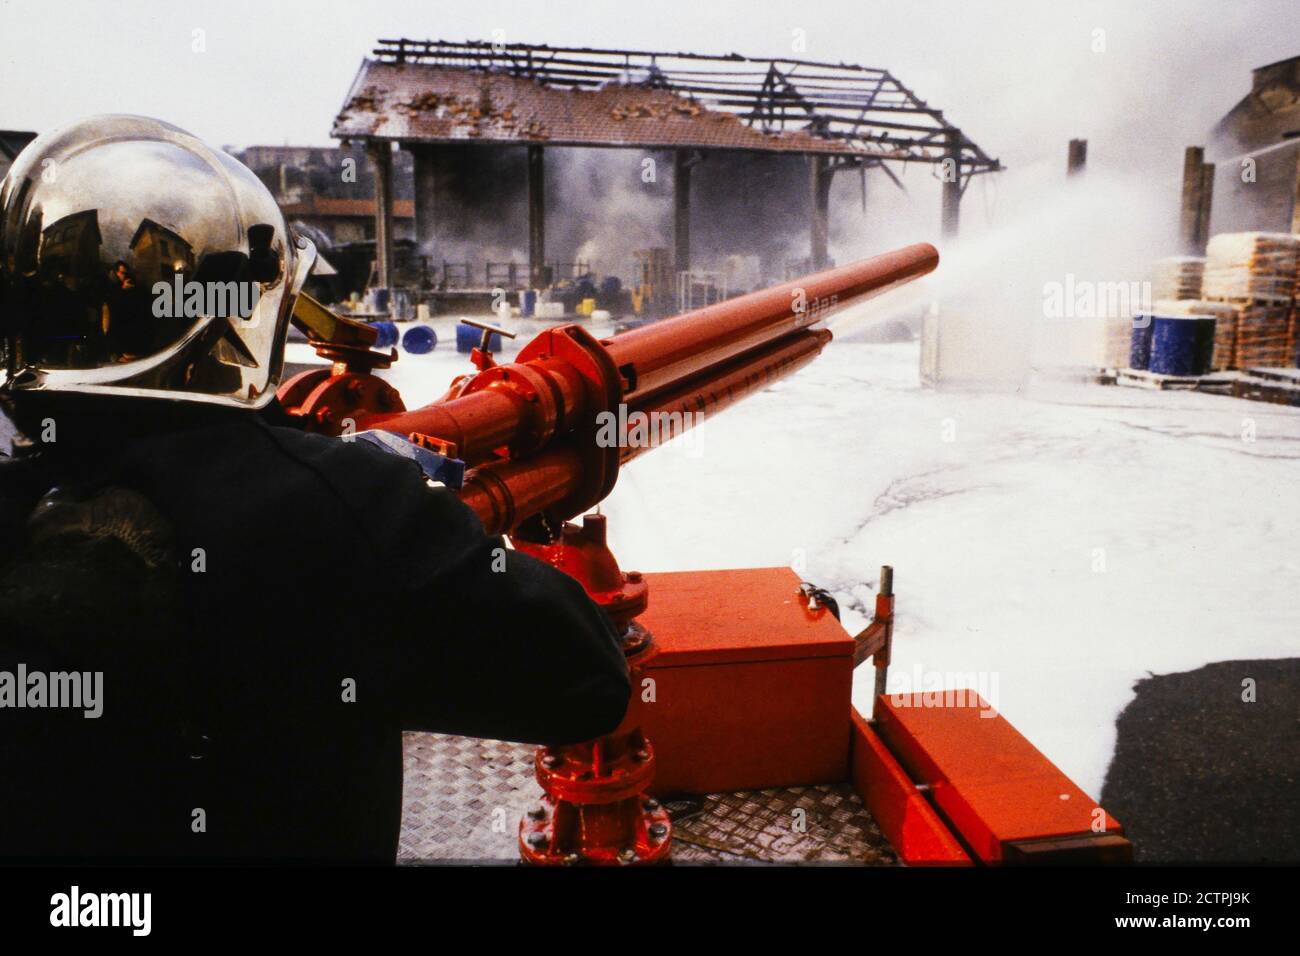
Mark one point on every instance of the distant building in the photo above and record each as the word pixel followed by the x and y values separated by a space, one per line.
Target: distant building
pixel 158 251
pixel 70 249
pixel 11 144
pixel 348 220
pixel 331 189
pixel 1256 149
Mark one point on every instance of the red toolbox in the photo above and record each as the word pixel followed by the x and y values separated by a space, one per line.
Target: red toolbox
pixel 751 688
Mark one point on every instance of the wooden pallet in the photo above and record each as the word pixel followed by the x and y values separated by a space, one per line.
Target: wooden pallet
pixel 1277 386
pixel 1140 378
pixel 1076 374
pixel 1290 376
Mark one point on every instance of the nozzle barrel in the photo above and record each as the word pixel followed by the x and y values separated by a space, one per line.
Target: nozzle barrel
pixel 663 354
pixel 722 386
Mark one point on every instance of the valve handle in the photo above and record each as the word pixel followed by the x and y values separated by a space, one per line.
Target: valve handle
pixel 482 356
pixel 488 330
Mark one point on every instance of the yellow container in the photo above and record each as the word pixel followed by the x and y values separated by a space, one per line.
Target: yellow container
pixel 586 306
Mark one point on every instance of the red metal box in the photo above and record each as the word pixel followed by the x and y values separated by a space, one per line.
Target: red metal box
pixel 1008 802
pixel 751 689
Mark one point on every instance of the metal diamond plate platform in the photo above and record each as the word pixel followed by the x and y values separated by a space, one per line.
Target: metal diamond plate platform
pixel 462 799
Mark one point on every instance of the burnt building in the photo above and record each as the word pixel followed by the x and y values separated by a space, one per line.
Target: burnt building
pixel 491 127
pixel 1256 152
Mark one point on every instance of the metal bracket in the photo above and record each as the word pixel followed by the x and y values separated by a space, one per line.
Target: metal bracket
pixel 876 640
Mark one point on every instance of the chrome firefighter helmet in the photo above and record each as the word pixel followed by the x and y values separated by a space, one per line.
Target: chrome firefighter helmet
pixel 136 260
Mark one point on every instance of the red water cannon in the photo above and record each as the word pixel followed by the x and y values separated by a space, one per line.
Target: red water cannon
pixel 534 439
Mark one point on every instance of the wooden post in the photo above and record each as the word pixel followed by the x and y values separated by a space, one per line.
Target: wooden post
pixel 536 218
pixel 381 157
pixel 1295 200
pixel 681 211
pixel 1203 213
pixel 1193 191
pixel 952 186
pixel 1078 158
pixel 821 199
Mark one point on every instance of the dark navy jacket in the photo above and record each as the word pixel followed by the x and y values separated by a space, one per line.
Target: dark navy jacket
pixel 325 565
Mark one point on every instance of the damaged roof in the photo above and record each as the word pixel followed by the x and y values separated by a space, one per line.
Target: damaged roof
pixel 422 102
pixel 439 91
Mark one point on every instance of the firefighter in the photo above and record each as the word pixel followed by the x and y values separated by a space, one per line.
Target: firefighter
pixel 265 610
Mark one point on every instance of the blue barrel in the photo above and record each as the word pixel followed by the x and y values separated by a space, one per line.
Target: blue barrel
pixel 1139 350
pixel 419 339
pixel 1175 344
pixel 387 334
pixel 467 339
pixel 528 303
pixel 381 299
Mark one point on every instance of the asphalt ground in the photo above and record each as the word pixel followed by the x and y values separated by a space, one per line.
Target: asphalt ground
pixel 1201 775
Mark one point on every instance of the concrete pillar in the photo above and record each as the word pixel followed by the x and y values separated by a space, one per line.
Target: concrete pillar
pixel 1078 158
pixel 381 157
pixel 681 210
pixel 951 215
pixel 821 200
pixel 536 218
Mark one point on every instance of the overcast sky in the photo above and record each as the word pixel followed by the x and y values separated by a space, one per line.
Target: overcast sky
pixel 1019 77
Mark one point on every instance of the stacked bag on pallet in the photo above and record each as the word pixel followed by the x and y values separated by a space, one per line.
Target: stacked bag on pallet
pixel 1177 277
pixel 1293 322
pixel 1256 274
pixel 1117 333
pixel 1251 265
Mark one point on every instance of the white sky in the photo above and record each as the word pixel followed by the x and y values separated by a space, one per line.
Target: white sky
pixel 1019 77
